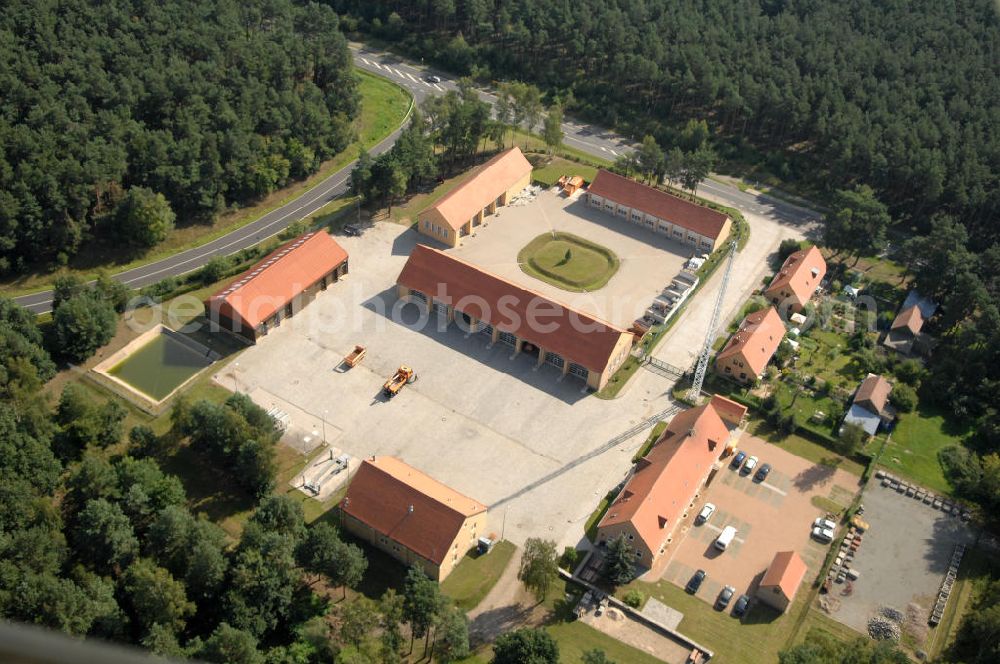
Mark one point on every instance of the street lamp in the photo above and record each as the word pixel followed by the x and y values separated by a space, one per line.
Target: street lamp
pixel 325 411
pixel 236 385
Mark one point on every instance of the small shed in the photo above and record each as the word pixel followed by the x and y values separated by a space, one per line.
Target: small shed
pixel 782 580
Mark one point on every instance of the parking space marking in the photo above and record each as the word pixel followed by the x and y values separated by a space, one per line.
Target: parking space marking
pixel 767 485
pixel 439 88
pixel 411 77
pixel 719 530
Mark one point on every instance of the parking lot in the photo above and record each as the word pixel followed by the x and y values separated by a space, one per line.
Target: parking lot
pixel 902 559
pixel 485 422
pixel 649 261
pixel 770 516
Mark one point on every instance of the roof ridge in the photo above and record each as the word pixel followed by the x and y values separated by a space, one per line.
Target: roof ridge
pixel 268 261
pixel 494 275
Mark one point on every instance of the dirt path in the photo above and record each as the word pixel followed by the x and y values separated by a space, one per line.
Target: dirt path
pixel 507 606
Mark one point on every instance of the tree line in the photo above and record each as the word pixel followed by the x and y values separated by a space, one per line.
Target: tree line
pixel 120 118
pixel 448 132
pixel 898 96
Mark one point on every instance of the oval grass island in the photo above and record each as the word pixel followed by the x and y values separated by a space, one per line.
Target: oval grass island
pixel 568 262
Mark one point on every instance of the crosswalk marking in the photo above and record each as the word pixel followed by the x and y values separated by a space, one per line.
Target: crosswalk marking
pixel 398 73
pixel 411 77
pixel 604 148
pixel 439 88
pixel 365 60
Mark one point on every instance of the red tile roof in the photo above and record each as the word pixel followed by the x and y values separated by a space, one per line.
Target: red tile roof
pixel 910 318
pixel 408 506
pixel 873 393
pixel 758 338
pixel 698 218
pixel 576 336
pixel 800 274
pixel 665 480
pixel 785 572
pixel 486 185
pixel 728 410
pixel 275 281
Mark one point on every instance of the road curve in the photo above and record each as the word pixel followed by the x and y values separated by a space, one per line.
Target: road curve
pixel 591 139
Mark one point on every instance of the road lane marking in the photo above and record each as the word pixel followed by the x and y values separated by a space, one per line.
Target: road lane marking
pixel 439 88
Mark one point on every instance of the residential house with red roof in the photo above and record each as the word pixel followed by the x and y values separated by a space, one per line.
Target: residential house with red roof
pixel 663 484
pixel 277 287
pixel 869 408
pixel 492 185
pixel 575 342
pixel 797 280
pixel 663 213
pixel 411 516
pixel 781 581
pixel 746 354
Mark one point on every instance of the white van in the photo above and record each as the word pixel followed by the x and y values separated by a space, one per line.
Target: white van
pixel 725 538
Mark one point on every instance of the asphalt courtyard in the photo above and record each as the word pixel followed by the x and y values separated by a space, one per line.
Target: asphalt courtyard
pixel 478 418
pixel 648 261
pixel 770 516
pixel 902 559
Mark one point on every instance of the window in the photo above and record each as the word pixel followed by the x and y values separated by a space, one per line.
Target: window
pixel 729 369
pixel 631 537
pixel 678 233
pixel 638 555
pixel 743 376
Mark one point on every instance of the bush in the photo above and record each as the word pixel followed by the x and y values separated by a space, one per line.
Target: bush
pixel 787 248
pixel 81 325
pixel 569 558
pixel 633 598
pixel 850 439
pixel 910 372
pixel 904 398
pixel 213 270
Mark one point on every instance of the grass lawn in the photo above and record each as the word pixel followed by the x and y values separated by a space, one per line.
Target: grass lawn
pixel 384 106
pixel 912 451
pixel 476 575
pixel 762 634
pixel 557 167
pixel 575 638
pixel 805 448
pixel 568 262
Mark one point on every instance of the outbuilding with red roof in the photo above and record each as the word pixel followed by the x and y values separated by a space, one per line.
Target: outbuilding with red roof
pixel 663 213
pixel 782 580
pixel 411 516
pixel 277 287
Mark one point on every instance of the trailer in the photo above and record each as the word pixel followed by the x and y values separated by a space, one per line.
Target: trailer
pixel 354 358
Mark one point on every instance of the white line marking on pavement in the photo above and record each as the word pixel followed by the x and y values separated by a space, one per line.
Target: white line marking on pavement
pixel 399 73
pixel 376 65
pixel 411 77
pixel 365 60
pixel 440 89
pixel 774 488
pixel 612 152
pixel 604 148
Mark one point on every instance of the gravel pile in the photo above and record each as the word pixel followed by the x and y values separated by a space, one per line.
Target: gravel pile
pixel 883 629
pixel 892 614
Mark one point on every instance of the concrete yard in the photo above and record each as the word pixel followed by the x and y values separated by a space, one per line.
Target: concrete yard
pixel 649 261
pixel 487 424
pixel 772 516
pixel 903 557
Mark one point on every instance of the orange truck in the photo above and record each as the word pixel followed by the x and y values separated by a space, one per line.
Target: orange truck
pixel 402 376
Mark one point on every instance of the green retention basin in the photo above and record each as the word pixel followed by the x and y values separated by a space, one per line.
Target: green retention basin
pixel 159 367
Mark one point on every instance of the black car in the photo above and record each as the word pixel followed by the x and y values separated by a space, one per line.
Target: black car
pixel 725 596
pixel 738 459
pixel 763 472
pixel 741 605
pixel 351 229
pixel 695 582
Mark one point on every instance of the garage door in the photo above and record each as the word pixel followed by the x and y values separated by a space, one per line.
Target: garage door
pixel 487 330
pixel 577 370
pixel 442 309
pixel 417 295
pixel 508 339
pixel 555 360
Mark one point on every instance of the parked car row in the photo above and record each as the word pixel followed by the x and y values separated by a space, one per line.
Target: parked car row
pixel 823 530
pixel 746 466
pixel 725 595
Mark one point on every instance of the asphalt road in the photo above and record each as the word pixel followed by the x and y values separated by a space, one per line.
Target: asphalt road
pixel 415 78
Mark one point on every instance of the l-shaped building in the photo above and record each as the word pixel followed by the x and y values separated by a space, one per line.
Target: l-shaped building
pixel 573 341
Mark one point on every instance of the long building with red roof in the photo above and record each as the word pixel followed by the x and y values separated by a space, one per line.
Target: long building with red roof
pixel 411 516
pixel 465 207
pixel 575 342
pixel 663 485
pixel 278 286
pixel 663 213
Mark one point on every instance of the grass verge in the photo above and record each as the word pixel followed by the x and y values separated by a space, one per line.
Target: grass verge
pixel 912 450
pixel 476 575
